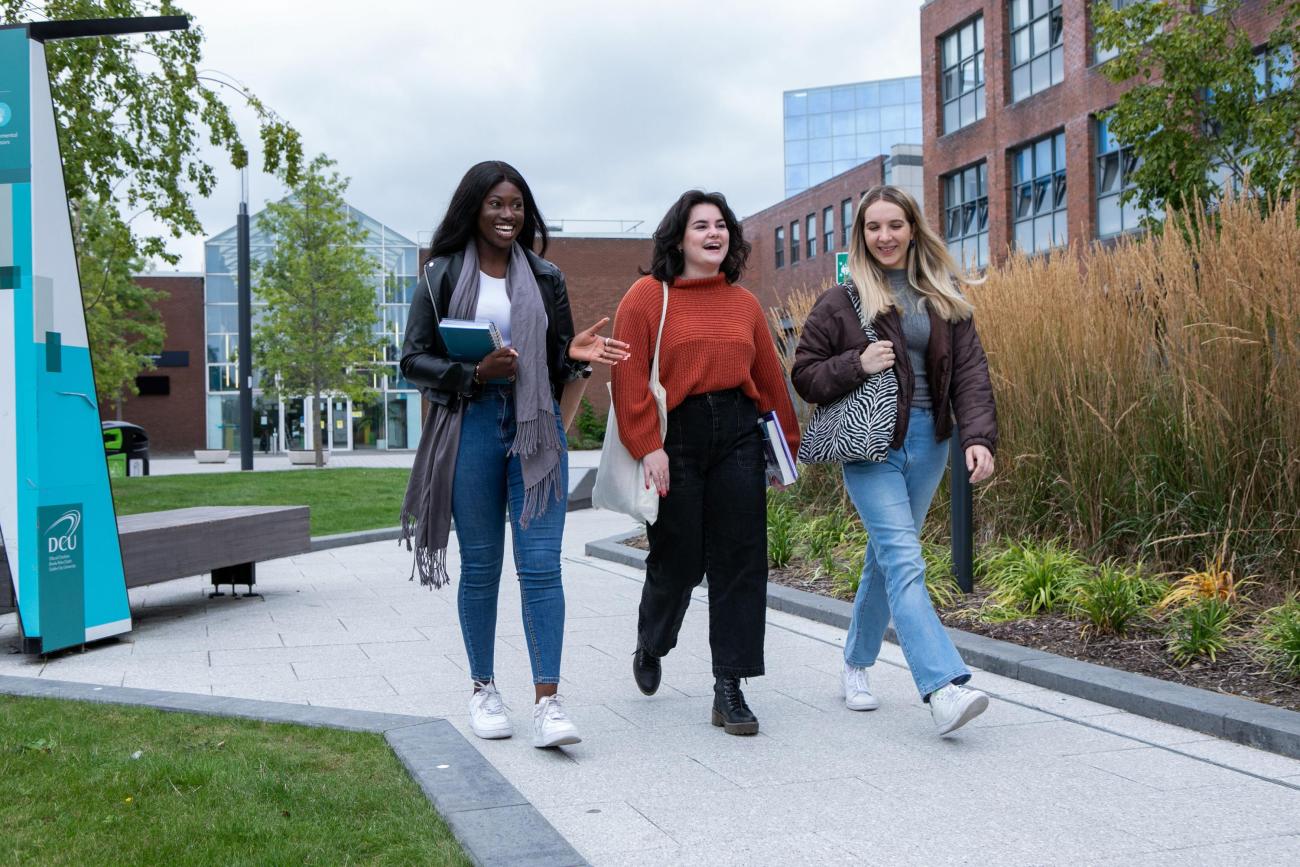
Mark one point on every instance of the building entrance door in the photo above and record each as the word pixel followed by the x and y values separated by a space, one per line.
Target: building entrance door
pixel 339 437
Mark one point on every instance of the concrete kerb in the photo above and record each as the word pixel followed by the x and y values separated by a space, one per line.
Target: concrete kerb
pixel 1235 719
pixel 494 823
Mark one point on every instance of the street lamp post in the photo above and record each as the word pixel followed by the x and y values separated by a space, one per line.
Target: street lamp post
pixel 245 332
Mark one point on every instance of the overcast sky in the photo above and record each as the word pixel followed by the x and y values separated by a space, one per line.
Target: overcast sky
pixel 609 109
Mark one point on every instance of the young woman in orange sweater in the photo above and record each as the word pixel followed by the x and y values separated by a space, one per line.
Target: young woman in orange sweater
pixel 720 371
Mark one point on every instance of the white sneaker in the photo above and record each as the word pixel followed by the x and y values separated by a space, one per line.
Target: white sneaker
pixel 487 713
pixel 857 689
pixel 952 706
pixel 551 725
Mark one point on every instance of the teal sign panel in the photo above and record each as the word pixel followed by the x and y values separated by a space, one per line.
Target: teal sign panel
pixel 57 519
pixel 841 267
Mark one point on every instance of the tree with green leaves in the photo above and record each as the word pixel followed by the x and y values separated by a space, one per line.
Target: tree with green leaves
pixel 317 336
pixel 133 113
pixel 1203 108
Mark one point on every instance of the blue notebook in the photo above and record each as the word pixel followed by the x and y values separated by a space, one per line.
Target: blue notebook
pixel 470 340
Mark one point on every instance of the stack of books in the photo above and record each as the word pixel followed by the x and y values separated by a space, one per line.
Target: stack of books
pixel 781 469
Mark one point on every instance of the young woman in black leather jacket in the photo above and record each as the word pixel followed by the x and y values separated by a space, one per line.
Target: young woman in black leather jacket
pixel 493 440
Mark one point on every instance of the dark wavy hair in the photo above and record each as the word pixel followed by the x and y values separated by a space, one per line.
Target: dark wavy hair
pixel 461 220
pixel 667 261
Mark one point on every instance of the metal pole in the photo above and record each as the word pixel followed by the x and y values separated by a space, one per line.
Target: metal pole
pixel 245 333
pixel 963 542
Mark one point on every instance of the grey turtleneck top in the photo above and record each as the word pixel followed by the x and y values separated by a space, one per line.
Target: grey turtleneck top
pixel 916 331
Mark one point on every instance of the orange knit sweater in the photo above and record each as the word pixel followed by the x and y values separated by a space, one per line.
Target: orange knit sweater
pixel 715 338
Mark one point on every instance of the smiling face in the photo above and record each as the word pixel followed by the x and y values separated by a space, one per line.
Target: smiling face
pixel 887 232
pixel 501 217
pixel 706 242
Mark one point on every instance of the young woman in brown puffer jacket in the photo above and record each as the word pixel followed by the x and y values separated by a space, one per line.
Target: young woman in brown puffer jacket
pixel 908 287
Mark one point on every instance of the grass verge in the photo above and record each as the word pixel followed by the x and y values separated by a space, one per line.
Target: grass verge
pixel 341 500
pixel 100 784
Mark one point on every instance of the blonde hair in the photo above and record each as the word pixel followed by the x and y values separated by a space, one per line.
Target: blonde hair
pixel 931 269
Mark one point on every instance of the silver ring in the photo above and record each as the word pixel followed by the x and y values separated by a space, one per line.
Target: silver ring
pixel 606 342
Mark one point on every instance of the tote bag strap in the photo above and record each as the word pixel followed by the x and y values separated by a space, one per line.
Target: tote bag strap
pixel 663 314
pixel 656 388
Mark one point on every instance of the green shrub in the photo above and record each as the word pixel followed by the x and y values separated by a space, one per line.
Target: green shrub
pixel 588 428
pixel 1034 577
pixel 823 535
pixel 939 578
pixel 782 529
pixel 1113 598
pixel 1199 629
pixel 1281 636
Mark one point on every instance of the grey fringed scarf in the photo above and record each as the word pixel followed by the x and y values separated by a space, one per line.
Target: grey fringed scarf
pixel 426 511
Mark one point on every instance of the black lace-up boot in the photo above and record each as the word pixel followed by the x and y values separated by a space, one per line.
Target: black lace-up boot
pixel 647 670
pixel 730 710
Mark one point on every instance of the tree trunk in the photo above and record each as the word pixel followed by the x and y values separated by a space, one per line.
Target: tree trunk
pixel 322 429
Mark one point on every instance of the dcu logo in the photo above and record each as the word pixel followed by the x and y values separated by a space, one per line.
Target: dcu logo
pixel 61 535
pixel 6 114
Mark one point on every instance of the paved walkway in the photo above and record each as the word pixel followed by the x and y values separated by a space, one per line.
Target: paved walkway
pixel 1041 778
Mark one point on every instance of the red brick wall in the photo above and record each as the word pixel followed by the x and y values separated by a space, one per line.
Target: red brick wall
pixel 598 271
pixel 771 284
pixel 174 422
pixel 1068 106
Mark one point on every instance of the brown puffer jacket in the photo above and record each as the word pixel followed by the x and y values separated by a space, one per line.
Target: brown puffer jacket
pixel 826 367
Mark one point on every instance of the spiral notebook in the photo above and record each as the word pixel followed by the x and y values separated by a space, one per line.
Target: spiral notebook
pixel 471 340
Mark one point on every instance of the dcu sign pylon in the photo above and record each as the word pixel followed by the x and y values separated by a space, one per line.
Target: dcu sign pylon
pixel 56 508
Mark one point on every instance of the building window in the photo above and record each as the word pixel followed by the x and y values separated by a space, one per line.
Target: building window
pixel 1037 52
pixel 1038 194
pixel 1101 55
pixel 846 221
pixel 1115 166
pixel 812 235
pixel 1274 71
pixel 828 230
pixel 966 215
pixel 794 243
pixel 962 51
pixel 780 246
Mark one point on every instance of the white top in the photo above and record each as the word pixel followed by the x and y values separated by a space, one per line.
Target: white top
pixel 494 304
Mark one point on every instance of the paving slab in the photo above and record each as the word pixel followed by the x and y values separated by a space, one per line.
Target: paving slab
pixel 1042 777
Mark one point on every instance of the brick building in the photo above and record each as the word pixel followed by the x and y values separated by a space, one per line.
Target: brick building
pixel 795 240
pixel 170 404
pixel 598 270
pixel 1014 152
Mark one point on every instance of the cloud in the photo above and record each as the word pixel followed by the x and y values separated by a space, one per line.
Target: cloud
pixel 609 109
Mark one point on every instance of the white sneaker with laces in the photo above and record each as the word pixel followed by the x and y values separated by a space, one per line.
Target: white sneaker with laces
pixel 551 725
pixel 487 713
pixel 857 689
pixel 952 706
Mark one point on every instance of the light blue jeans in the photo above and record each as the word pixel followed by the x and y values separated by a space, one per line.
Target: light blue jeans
pixel 892 497
pixel 488 481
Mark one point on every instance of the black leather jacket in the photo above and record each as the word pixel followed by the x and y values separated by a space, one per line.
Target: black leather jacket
pixel 424 356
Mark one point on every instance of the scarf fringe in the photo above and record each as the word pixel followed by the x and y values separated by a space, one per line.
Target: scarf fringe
pixel 536 434
pixel 430 563
pixel 539 495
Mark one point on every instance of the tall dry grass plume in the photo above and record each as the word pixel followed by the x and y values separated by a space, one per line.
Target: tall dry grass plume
pixel 1149 393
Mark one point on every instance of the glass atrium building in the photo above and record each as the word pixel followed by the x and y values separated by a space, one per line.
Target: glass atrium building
pixel 829 130
pixel 391 420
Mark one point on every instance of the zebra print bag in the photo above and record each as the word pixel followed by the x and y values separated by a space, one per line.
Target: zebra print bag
pixel 860 425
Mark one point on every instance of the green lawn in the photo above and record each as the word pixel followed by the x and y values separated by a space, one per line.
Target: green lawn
pixel 99 784
pixel 341 500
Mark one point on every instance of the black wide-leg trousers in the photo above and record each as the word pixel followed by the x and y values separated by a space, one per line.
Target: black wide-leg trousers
pixel 714 521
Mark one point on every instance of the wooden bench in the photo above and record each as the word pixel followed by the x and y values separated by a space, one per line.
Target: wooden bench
pixel 226 541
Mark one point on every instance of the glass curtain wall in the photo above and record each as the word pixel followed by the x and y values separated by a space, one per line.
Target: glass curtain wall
pixel 829 130
pixel 391 420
